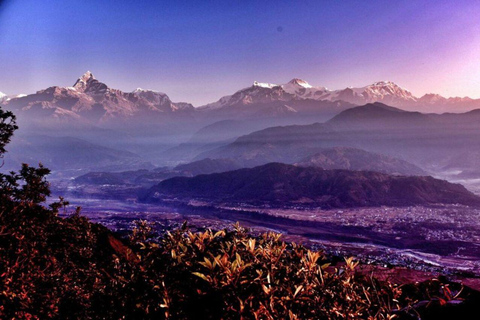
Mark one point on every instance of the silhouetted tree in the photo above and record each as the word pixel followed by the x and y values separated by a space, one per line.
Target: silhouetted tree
pixel 7 126
pixel 29 185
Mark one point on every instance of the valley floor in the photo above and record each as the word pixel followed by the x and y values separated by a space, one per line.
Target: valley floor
pixel 430 240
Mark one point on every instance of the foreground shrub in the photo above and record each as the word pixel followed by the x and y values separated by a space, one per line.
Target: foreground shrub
pixel 230 274
pixel 72 269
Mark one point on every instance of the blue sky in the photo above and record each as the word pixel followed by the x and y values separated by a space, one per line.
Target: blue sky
pixel 198 51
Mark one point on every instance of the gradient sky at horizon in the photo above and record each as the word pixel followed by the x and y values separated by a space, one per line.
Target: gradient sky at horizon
pixel 199 51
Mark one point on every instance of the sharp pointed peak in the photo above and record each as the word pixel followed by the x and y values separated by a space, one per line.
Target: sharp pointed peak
pixel 81 82
pixel 87 75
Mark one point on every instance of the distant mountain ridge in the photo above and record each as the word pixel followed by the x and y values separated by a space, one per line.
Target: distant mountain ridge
pixel 90 99
pixel 279 185
pixel 297 89
pixel 386 92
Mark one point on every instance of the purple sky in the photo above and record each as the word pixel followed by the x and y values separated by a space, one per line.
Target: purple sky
pixel 200 52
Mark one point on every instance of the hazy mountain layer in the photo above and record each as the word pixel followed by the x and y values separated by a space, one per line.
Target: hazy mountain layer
pixel 70 154
pixel 429 141
pixel 359 160
pixel 150 177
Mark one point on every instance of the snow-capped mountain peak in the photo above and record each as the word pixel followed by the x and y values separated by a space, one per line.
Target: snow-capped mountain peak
pixel 386 91
pixel 385 85
pixel 300 82
pixel 82 83
pixel 86 76
pixel 259 92
pixel 303 89
pixel 2 96
pixel 380 91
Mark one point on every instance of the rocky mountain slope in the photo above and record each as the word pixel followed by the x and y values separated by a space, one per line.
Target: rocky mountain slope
pixel 91 100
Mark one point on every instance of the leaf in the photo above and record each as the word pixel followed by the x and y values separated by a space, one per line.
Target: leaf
pixel 201 275
pixel 219 233
pixel 299 288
